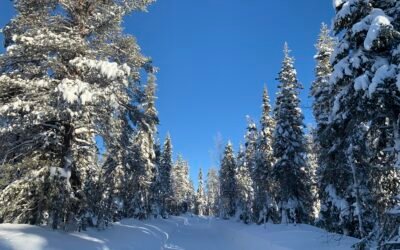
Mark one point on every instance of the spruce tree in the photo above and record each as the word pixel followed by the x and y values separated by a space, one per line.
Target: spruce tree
pixel 364 116
pixel 290 169
pixel 244 187
pixel 228 183
pixel 165 169
pixel 200 206
pixel 182 188
pixel 264 184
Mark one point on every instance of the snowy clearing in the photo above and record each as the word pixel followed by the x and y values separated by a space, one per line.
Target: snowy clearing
pixel 179 233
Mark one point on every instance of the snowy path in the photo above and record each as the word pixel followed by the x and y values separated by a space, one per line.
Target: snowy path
pixel 179 233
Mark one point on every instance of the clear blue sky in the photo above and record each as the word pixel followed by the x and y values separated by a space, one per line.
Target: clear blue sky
pixel 215 57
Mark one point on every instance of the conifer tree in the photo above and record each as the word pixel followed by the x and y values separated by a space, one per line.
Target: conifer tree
pixel 364 117
pixel 290 169
pixel 66 69
pixel 165 169
pixel 181 186
pixel 200 206
pixel 264 184
pixel 213 192
pixel 228 183
pixel 244 188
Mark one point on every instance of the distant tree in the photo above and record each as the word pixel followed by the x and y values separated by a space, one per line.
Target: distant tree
pixel 212 192
pixel 228 183
pixel 200 204
pixel 165 172
pixel 244 188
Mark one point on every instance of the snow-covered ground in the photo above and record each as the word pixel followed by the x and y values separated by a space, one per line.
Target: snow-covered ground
pixel 188 233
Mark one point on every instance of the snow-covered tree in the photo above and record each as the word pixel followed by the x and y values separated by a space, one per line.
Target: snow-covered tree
pixel 213 192
pixel 312 148
pixel 144 164
pixel 165 169
pixel 290 169
pixel 321 89
pixel 244 188
pixel 200 204
pixel 364 117
pixel 67 68
pixel 264 184
pixel 181 187
pixel 228 183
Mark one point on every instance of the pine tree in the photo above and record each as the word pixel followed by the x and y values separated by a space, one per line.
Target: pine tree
pixel 228 183
pixel 290 169
pixel 364 116
pixel 213 192
pixel 165 169
pixel 244 187
pixel 200 206
pixel 67 67
pixel 264 185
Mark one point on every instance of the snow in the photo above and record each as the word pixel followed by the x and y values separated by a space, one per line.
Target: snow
pixel 398 81
pixel 179 233
pixel 75 91
pixel 375 28
pixel 337 3
pixel 111 70
pixel 384 72
pixel 55 171
pixel 361 82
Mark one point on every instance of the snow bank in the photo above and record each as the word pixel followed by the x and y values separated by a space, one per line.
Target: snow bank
pixel 180 233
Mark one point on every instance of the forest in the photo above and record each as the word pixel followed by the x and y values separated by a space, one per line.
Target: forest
pixel 70 76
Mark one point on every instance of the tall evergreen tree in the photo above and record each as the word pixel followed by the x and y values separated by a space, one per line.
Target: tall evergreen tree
pixel 181 186
pixel 290 169
pixel 144 167
pixel 264 185
pixel 200 206
pixel 228 183
pixel 244 188
pixel 67 67
pixel 321 89
pixel 364 114
pixel 213 192
pixel 165 170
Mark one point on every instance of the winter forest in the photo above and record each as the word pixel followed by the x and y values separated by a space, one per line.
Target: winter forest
pixel 70 75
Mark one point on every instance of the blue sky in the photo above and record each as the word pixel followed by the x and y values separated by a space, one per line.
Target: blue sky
pixel 214 58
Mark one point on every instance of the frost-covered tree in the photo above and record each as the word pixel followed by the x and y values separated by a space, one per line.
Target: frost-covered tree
pixel 321 89
pixel 228 183
pixel 144 158
pixel 67 68
pixel 364 116
pixel 264 184
pixel 212 192
pixel 244 188
pixel 312 148
pixel 165 169
pixel 200 204
pixel 181 187
pixel 290 169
